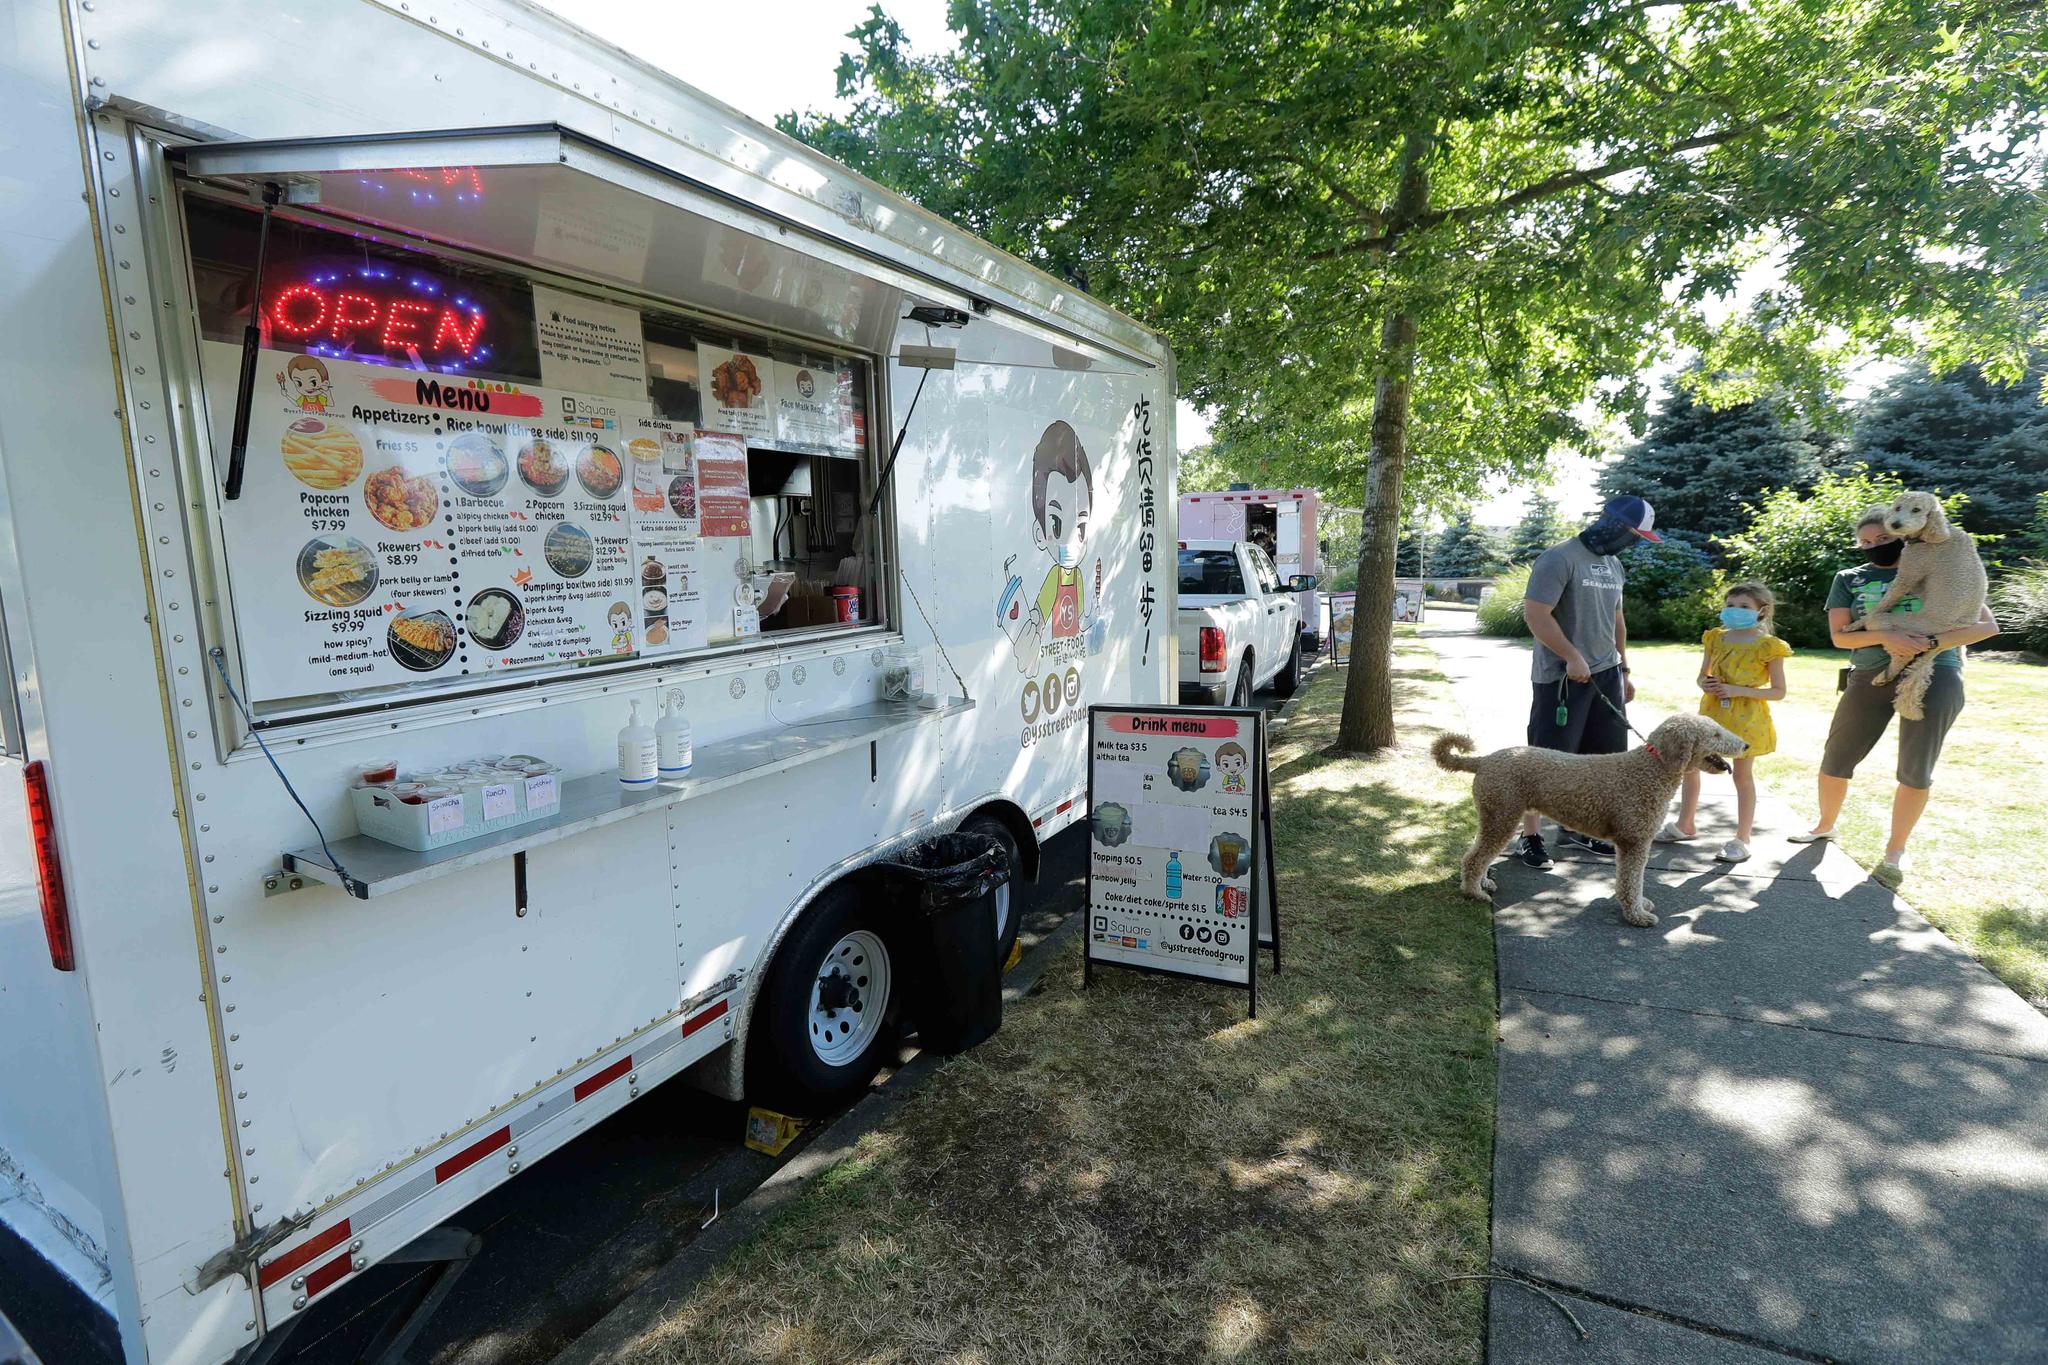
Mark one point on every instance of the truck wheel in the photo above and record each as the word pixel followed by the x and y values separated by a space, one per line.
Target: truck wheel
pixel 1290 676
pixel 827 1010
pixel 1009 900
pixel 1241 693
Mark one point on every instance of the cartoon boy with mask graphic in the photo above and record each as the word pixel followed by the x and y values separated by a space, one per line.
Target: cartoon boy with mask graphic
pixel 1062 497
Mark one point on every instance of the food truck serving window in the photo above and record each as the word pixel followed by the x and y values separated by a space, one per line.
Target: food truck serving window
pixel 461 475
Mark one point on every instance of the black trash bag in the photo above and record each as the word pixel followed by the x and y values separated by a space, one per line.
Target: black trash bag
pixel 953 983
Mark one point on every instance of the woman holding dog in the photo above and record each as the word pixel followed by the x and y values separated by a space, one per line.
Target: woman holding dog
pixel 1865 710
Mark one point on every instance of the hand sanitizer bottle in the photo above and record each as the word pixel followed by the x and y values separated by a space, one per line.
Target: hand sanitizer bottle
pixel 636 752
pixel 672 739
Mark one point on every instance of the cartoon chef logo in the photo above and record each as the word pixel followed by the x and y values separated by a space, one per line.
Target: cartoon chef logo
pixel 305 382
pixel 1062 500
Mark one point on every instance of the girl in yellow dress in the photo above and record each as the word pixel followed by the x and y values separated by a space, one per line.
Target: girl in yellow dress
pixel 1742 671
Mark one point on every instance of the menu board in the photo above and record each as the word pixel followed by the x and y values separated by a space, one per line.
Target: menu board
pixel 667 541
pixel 735 388
pixel 1177 841
pixel 399 524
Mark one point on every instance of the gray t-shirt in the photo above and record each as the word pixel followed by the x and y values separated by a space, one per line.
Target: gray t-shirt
pixel 1583 591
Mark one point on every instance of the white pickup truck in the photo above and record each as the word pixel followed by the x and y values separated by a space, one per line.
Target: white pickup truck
pixel 1240 626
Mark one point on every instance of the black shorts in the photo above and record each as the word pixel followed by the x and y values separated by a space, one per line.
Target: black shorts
pixel 1864 712
pixel 1588 727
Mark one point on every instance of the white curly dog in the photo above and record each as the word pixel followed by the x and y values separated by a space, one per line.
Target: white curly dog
pixel 1940 567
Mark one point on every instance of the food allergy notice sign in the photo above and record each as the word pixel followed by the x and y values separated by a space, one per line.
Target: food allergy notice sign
pixel 1179 843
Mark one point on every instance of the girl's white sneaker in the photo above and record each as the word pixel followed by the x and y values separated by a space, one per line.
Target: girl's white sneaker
pixel 1672 834
pixel 1734 851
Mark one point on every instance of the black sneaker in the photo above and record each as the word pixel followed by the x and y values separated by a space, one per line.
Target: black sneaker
pixel 1588 844
pixel 1534 854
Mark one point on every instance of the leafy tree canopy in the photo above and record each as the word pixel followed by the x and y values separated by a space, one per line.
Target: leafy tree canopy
pixel 1417 237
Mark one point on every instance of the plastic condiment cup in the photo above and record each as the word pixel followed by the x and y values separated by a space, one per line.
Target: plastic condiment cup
pixel 486 760
pixel 426 793
pixel 521 760
pixel 408 792
pixel 376 770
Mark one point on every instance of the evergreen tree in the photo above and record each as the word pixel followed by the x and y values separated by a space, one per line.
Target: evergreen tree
pixel 1541 527
pixel 1700 467
pixel 1415 546
pixel 1464 550
pixel 1960 433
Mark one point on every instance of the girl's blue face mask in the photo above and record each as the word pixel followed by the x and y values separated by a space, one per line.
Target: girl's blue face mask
pixel 1738 618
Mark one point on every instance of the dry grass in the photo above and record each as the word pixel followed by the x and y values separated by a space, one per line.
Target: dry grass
pixel 1140 1174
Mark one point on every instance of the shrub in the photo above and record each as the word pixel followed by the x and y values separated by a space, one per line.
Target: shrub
pixel 1797 543
pixel 2020 600
pixel 1500 611
pixel 1673 592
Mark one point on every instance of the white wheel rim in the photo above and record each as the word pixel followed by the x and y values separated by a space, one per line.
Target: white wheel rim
pixel 849 998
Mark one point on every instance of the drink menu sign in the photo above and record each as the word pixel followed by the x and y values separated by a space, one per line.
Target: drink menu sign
pixel 1179 842
pixel 399 524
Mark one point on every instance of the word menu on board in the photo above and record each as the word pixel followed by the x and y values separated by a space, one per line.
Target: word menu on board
pixel 396 524
pixel 1178 841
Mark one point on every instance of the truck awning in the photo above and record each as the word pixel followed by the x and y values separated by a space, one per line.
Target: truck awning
pixel 566 201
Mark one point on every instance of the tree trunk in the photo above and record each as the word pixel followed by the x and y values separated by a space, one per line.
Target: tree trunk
pixel 1368 720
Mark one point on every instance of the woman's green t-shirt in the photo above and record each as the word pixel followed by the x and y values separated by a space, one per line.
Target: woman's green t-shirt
pixel 1861 588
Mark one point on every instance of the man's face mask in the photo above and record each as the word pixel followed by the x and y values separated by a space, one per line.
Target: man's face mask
pixel 1608 536
pixel 1885 553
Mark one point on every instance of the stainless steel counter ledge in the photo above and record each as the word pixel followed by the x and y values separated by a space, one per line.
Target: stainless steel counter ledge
pixel 378 868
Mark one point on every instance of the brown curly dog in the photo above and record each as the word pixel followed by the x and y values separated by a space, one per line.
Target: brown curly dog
pixel 1617 797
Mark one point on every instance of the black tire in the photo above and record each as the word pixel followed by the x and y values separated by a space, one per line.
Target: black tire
pixel 784 1070
pixel 1290 676
pixel 1241 691
pixel 1010 900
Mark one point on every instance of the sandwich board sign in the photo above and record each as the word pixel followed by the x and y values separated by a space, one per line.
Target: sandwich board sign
pixel 1180 844
pixel 1342 607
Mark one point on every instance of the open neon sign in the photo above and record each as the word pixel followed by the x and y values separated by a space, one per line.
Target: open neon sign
pixel 380 312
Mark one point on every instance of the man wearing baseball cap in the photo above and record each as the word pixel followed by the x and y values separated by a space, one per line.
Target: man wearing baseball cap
pixel 1573 608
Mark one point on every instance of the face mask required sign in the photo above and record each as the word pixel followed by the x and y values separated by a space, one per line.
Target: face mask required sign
pixel 1180 870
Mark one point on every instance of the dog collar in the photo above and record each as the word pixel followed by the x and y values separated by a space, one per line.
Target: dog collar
pixel 1651 749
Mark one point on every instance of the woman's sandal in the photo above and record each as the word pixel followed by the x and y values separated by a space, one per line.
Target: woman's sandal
pixel 1672 834
pixel 1812 836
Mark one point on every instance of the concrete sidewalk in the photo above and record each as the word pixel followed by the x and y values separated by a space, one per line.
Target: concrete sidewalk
pixel 1791 1121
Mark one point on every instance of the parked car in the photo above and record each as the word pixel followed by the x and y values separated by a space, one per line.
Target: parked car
pixel 1239 624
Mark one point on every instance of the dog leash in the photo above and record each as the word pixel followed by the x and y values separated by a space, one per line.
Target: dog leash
pixel 1564 710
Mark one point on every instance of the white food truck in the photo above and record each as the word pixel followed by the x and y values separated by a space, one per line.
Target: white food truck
pixel 1281 521
pixel 391 392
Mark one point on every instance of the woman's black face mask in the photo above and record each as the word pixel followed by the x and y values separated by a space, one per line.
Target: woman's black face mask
pixel 1886 553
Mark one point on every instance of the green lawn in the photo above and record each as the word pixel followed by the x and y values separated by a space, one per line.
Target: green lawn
pixel 1979 860
pixel 1138 1173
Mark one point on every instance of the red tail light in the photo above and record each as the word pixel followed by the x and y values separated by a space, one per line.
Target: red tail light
pixel 1212 649
pixel 49 872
